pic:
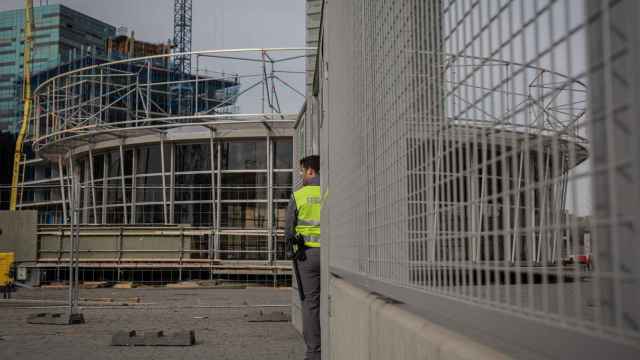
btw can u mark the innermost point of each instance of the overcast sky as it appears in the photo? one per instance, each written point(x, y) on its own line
point(216, 23)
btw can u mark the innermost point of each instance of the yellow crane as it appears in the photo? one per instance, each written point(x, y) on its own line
point(26, 98)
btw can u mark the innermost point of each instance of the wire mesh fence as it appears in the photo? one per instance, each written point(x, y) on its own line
point(481, 155)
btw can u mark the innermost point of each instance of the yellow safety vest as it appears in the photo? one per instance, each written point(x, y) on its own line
point(309, 202)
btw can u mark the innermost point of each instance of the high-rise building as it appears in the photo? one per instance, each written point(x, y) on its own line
point(60, 34)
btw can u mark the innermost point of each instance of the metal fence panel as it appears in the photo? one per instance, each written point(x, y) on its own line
point(480, 158)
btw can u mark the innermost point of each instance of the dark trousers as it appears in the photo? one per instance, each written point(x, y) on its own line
point(310, 278)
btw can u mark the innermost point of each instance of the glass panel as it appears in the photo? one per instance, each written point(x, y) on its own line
point(193, 187)
point(244, 155)
point(99, 192)
point(149, 214)
point(29, 173)
point(98, 166)
point(199, 243)
point(113, 163)
point(248, 186)
point(280, 214)
point(281, 247)
point(115, 215)
point(243, 215)
point(128, 162)
point(149, 188)
point(243, 247)
point(198, 214)
point(148, 161)
point(114, 191)
point(193, 157)
point(282, 185)
point(283, 154)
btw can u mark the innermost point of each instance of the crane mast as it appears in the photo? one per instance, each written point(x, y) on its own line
point(26, 98)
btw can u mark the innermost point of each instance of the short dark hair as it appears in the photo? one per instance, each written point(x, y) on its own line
point(311, 162)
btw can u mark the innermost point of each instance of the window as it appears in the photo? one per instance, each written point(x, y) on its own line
point(148, 161)
point(198, 214)
point(246, 186)
point(113, 163)
point(283, 154)
point(282, 185)
point(193, 157)
point(243, 215)
point(244, 247)
point(149, 214)
point(149, 188)
point(193, 187)
point(244, 155)
point(98, 166)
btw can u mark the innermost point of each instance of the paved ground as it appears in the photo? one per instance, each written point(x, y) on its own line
point(221, 333)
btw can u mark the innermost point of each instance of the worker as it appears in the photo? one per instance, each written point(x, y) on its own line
point(302, 232)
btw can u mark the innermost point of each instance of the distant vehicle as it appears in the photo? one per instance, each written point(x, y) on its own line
point(583, 259)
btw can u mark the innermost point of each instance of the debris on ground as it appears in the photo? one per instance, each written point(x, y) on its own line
point(95, 284)
point(184, 285)
point(124, 285)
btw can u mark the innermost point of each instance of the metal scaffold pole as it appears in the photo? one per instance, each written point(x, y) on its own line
point(74, 316)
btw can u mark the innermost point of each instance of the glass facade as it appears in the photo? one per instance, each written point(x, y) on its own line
point(222, 185)
point(60, 35)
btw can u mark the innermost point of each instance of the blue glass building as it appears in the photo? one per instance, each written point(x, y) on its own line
point(60, 34)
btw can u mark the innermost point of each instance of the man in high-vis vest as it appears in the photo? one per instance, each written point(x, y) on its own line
point(302, 230)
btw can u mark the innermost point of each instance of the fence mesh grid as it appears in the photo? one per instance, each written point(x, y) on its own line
point(484, 151)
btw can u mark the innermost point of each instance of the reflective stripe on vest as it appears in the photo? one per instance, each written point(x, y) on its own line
point(312, 241)
point(308, 202)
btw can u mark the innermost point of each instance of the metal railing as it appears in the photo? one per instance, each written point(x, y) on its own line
point(481, 166)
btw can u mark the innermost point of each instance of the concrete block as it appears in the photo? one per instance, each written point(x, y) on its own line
point(366, 326)
point(55, 319)
point(153, 338)
point(264, 316)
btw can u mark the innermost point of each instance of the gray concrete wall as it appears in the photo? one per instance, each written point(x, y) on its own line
point(18, 233)
point(365, 326)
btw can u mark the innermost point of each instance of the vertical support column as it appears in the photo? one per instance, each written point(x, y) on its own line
point(69, 183)
point(197, 93)
point(123, 184)
point(271, 232)
point(100, 108)
point(93, 186)
point(148, 102)
point(120, 250)
point(214, 212)
point(85, 194)
point(62, 190)
point(134, 173)
point(216, 239)
point(164, 181)
point(105, 189)
point(73, 224)
point(172, 183)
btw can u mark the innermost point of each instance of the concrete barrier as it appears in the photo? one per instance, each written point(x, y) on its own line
point(366, 326)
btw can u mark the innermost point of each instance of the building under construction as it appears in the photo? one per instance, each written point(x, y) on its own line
point(164, 167)
point(164, 192)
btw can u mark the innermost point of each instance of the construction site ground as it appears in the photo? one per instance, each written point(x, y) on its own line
point(216, 314)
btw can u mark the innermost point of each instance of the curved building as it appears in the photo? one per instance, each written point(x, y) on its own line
point(171, 176)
